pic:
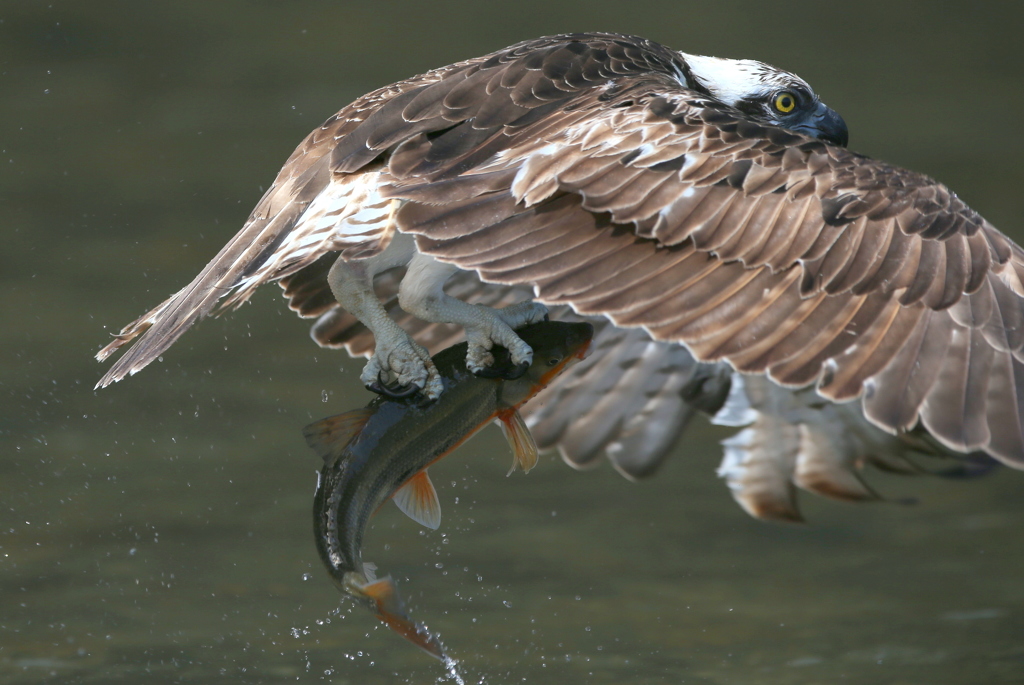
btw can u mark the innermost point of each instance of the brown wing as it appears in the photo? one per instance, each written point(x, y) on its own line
point(632, 397)
point(753, 245)
point(465, 110)
point(629, 400)
point(255, 254)
point(581, 166)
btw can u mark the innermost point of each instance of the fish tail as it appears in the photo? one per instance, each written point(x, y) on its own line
point(387, 604)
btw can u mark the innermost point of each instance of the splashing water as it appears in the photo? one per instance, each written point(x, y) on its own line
point(452, 671)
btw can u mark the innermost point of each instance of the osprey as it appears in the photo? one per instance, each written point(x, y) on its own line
point(704, 210)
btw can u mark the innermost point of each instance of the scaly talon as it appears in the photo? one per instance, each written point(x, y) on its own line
point(498, 330)
point(422, 295)
point(522, 314)
point(401, 368)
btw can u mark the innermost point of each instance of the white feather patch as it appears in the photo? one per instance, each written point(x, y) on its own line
point(348, 213)
point(732, 80)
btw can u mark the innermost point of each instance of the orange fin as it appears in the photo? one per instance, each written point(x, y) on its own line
point(391, 612)
point(520, 439)
point(329, 437)
point(418, 500)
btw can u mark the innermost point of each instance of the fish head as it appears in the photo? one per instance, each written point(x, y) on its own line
point(556, 345)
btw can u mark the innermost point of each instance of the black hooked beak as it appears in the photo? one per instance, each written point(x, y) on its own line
point(825, 124)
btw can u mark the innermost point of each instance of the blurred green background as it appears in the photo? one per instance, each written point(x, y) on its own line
point(159, 531)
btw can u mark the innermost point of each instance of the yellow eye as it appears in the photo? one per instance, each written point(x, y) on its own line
point(785, 102)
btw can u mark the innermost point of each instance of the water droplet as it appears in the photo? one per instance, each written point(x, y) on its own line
point(451, 666)
point(305, 576)
point(323, 396)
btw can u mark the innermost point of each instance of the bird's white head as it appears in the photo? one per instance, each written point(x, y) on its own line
point(766, 94)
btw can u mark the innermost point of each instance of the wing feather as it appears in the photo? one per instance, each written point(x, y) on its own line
point(894, 396)
point(808, 336)
point(582, 167)
point(796, 258)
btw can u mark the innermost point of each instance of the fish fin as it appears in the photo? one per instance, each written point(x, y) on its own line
point(329, 437)
point(391, 611)
point(520, 439)
point(418, 500)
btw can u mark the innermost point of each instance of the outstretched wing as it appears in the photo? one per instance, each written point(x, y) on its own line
point(632, 397)
point(583, 167)
point(280, 237)
point(310, 210)
point(326, 197)
point(777, 253)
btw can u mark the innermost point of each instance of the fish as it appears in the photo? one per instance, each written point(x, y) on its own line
point(382, 452)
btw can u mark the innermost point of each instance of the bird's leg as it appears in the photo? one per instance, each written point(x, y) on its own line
point(422, 295)
point(395, 354)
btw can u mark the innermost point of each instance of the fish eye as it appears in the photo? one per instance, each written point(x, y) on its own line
point(554, 361)
point(785, 102)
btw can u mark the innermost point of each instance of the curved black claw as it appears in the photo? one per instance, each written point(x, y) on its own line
point(517, 371)
point(505, 372)
point(489, 372)
point(393, 391)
